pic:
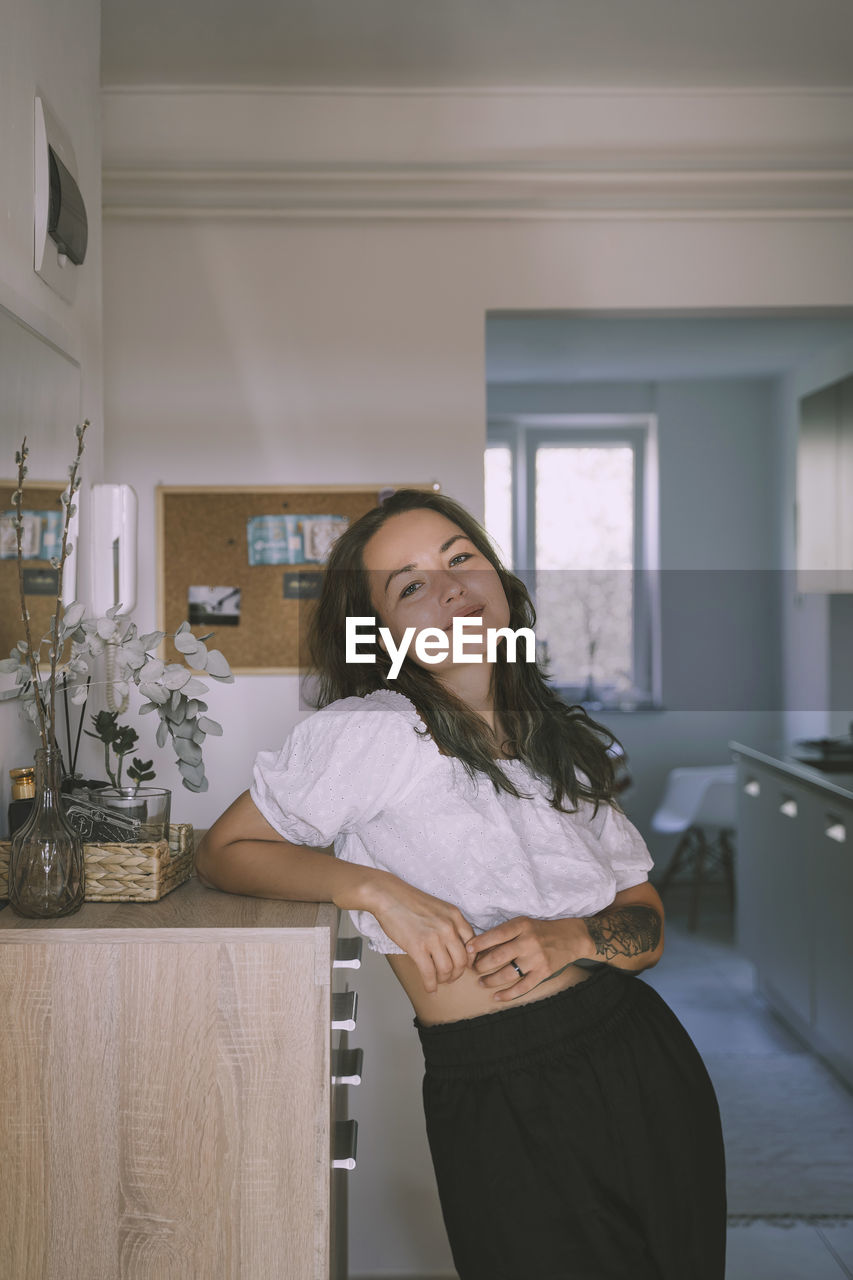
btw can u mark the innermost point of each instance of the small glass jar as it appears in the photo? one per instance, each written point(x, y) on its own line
point(23, 796)
point(46, 871)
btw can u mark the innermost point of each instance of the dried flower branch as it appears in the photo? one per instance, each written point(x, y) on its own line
point(70, 511)
point(44, 701)
point(32, 657)
point(172, 689)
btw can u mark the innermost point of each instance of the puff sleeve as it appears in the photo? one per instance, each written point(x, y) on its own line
point(339, 768)
point(621, 847)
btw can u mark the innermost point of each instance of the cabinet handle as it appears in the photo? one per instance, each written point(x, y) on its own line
point(348, 953)
point(752, 788)
point(789, 808)
point(344, 1144)
point(347, 1066)
point(344, 1010)
point(836, 831)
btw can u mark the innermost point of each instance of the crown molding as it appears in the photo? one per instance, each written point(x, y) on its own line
point(521, 154)
point(435, 191)
point(497, 92)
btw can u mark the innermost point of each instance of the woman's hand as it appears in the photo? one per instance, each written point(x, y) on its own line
point(431, 931)
point(540, 948)
point(628, 935)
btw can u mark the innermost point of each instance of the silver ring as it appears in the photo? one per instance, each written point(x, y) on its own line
point(517, 970)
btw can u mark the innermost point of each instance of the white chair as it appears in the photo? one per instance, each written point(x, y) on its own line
point(699, 805)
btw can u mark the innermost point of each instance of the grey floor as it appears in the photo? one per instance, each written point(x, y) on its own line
point(742, 1021)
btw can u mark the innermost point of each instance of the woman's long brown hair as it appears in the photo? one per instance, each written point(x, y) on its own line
point(554, 739)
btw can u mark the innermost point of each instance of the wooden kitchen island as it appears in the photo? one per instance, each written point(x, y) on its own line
point(167, 1104)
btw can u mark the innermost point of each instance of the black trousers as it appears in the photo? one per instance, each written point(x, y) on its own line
point(576, 1138)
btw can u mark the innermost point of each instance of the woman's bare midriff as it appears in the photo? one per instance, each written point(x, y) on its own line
point(466, 998)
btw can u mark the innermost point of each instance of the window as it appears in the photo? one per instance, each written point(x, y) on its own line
point(571, 506)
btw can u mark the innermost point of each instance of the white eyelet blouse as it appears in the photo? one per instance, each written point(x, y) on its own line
point(356, 774)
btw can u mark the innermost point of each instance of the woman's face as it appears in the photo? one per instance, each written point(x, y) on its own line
point(423, 570)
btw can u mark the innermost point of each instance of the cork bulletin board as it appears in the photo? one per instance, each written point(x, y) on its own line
point(247, 564)
point(43, 513)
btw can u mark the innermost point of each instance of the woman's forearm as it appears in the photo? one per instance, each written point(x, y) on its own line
point(279, 869)
point(628, 936)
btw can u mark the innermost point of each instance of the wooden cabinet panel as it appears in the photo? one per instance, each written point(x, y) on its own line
point(59, 1064)
point(167, 1104)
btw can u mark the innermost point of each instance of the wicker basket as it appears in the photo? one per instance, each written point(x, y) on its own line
point(129, 872)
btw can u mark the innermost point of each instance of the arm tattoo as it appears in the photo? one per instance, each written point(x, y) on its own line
point(625, 931)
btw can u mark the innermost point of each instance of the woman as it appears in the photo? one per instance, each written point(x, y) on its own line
point(572, 1125)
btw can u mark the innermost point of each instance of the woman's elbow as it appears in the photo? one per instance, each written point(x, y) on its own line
point(213, 861)
point(214, 850)
point(202, 861)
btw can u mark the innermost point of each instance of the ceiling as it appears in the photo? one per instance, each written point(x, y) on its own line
point(629, 44)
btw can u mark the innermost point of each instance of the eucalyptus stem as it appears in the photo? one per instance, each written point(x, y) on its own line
point(67, 719)
point(73, 486)
point(79, 731)
point(109, 771)
point(17, 499)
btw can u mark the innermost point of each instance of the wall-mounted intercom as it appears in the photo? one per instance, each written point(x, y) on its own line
point(113, 511)
point(61, 229)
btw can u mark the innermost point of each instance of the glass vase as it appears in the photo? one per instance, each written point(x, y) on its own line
point(46, 872)
point(139, 814)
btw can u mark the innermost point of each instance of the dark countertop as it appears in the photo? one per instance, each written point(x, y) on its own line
point(838, 784)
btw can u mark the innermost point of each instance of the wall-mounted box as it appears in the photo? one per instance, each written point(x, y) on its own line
point(60, 225)
point(825, 490)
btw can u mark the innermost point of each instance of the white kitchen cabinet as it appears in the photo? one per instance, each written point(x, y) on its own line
point(824, 521)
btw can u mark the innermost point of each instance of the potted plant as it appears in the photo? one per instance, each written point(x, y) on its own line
point(46, 871)
point(78, 648)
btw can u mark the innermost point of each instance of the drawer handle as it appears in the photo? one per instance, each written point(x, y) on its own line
point(348, 953)
point(752, 788)
point(789, 808)
point(837, 831)
point(345, 1143)
point(344, 1010)
point(347, 1066)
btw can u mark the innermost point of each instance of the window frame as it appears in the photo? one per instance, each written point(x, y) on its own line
point(523, 434)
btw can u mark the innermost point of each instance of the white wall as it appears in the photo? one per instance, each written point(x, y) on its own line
point(246, 341)
point(52, 50)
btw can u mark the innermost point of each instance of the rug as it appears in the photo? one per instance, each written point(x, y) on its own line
point(788, 1129)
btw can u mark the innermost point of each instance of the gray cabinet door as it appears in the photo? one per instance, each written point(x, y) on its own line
point(774, 886)
point(830, 827)
point(752, 923)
